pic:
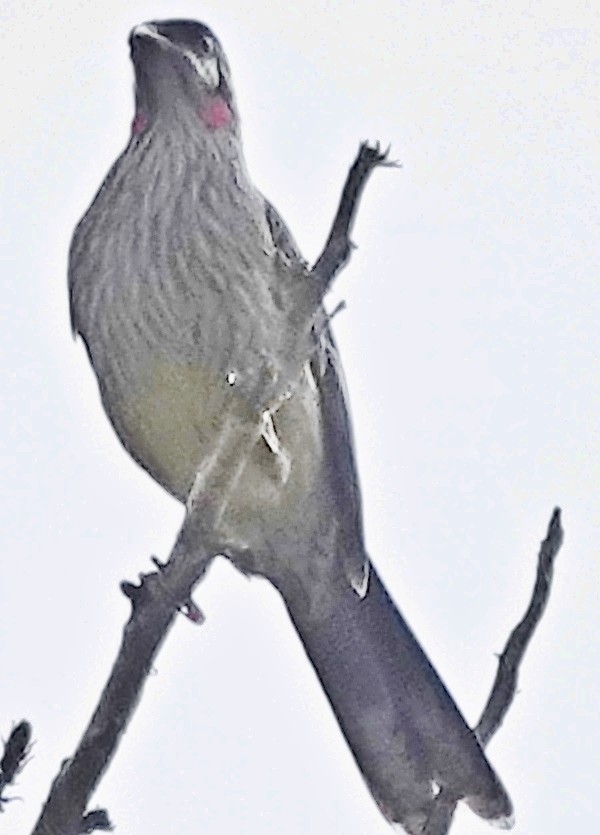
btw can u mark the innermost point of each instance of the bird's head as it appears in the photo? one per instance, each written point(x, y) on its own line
point(181, 72)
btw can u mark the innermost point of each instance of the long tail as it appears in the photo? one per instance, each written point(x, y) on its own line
point(399, 720)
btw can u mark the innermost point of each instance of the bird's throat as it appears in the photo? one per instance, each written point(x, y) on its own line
point(215, 113)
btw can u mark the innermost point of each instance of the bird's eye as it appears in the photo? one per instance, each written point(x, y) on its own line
point(207, 44)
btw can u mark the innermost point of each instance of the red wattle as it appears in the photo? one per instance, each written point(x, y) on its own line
point(216, 113)
point(139, 123)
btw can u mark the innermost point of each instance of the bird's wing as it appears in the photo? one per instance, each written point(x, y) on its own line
point(338, 445)
point(400, 722)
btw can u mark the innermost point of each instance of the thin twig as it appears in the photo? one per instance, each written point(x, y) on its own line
point(339, 246)
point(505, 684)
point(16, 750)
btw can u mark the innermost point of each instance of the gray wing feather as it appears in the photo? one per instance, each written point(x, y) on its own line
point(337, 430)
point(282, 237)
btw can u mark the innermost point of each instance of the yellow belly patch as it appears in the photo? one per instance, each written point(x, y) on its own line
point(172, 420)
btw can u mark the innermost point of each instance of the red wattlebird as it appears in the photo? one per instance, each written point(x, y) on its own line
point(225, 385)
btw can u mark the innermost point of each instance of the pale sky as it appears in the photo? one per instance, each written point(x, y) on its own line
point(472, 350)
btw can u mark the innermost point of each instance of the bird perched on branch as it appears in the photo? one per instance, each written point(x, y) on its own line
point(216, 366)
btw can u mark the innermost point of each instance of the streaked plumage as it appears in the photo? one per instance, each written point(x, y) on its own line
point(182, 282)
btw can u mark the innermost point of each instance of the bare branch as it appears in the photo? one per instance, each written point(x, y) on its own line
point(155, 603)
point(505, 683)
point(339, 246)
point(16, 750)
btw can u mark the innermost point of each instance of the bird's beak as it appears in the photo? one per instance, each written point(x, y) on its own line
point(148, 30)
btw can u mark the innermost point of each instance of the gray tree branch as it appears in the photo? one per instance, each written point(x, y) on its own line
point(14, 757)
point(155, 604)
point(505, 684)
point(338, 247)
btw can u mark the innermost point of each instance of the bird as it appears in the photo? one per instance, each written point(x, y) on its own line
point(218, 370)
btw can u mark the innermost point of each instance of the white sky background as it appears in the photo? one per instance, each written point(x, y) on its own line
point(471, 344)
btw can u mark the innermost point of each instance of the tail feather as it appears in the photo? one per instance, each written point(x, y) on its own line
point(404, 729)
